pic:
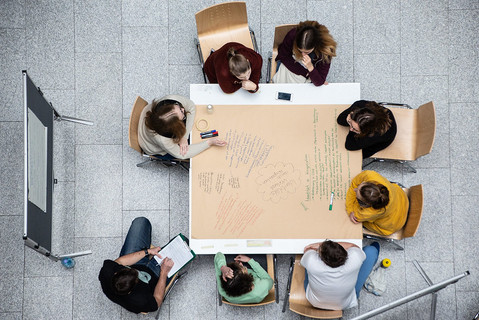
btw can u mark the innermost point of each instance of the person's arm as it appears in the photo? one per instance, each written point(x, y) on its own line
point(285, 55)
point(319, 73)
point(168, 146)
point(256, 63)
point(347, 245)
point(134, 257)
point(312, 246)
point(160, 287)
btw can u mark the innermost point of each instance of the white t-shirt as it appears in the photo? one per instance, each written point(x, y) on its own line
point(332, 288)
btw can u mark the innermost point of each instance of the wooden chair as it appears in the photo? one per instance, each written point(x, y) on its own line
point(138, 107)
point(296, 295)
point(279, 34)
point(416, 198)
point(220, 24)
point(416, 130)
point(273, 294)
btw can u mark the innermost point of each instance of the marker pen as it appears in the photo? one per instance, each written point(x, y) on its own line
point(209, 135)
point(331, 201)
point(207, 132)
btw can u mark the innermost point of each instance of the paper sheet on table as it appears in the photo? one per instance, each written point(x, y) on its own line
point(178, 251)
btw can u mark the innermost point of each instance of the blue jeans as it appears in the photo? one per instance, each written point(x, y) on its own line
point(139, 238)
point(372, 253)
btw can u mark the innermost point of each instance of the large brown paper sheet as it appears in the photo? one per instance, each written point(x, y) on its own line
point(275, 177)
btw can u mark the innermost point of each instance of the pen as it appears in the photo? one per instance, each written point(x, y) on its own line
point(209, 135)
point(207, 132)
point(331, 201)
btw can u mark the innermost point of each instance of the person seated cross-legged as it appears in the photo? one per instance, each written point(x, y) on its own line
point(239, 284)
point(134, 280)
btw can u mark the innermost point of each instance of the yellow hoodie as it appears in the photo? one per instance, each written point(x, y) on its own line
point(386, 220)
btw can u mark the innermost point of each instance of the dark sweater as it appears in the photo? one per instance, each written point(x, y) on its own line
point(217, 69)
point(285, 55)
point(141, 299)
point(369, 144)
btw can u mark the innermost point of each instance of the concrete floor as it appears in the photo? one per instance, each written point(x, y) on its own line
point(92, 58)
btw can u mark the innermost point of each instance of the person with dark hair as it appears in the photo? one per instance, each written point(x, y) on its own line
point(238, 284)
point(134, 280)
point(380, 205)
point(371, 127)
point(305, 54)
point(336, 272)
point(234, 66)
point(165, 125)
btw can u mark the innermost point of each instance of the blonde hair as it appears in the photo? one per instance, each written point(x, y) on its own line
point(312, 35)
point(237, 62)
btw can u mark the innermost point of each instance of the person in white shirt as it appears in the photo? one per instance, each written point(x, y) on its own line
point(336, 272)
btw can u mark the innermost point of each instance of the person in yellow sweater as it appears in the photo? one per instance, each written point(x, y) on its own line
point(380, 205)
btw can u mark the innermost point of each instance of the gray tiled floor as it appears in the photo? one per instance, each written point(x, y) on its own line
point(91, 59)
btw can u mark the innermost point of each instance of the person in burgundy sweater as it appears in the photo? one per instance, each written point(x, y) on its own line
point(234, 66)
point(307, 51)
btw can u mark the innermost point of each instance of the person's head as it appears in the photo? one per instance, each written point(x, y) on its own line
point(332, 253)
point(312, 36)
point(124, 280)
point(372, 195)
point(166, 118)
point(369, 120)
point(241, 283)
point(239, 66)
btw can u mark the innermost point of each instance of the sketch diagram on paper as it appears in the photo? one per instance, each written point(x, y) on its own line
point(277, 182)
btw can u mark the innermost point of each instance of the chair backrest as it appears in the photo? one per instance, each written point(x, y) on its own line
point(416, 198)
point(138, 107)
point(222, 23)
point(270, 298)
point(426, 128)
point(416, 129)
point(297, 297)
point(279, 34)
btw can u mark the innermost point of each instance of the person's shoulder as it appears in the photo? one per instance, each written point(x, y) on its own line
point(355, 254)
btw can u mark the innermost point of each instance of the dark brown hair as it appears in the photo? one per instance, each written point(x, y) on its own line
point(332, 253)
point(312, 35)
point(241, 282)
point(237, 62)
point(372, 119)
point(124, 280)
point(375, 195)
point(163, 121)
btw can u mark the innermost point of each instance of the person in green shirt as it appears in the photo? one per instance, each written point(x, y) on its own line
point(238, 284)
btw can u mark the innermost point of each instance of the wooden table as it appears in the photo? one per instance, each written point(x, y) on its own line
point(269, 190)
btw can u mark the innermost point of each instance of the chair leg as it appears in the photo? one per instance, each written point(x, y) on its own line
point(405, 163)
point(394, 243)
point(276, 292)
point(288, 287)
point(268, 68)
point(141, 164)
point(220, 301)
point(371, 162)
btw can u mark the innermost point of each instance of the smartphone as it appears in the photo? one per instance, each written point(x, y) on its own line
point(284, 96)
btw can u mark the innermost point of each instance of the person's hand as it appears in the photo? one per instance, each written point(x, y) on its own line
point(242, 258)
point(353, 218)
point(226, 273)
point(307, 62)
point(313, 246)
point(183, 146)
point(325, 83)
point(166, 265)
point(217, 142)
point(248, 85)
point(154, 251)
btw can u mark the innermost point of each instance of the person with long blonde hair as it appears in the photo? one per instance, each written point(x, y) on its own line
point(305, 54)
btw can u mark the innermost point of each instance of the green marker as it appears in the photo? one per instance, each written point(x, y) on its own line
point(331, 201)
